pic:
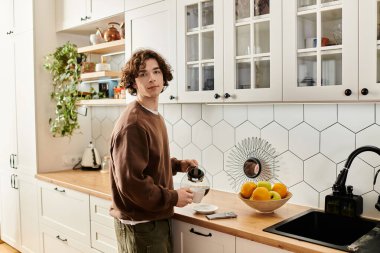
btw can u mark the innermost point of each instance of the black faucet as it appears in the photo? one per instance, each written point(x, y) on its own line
point(343, 201)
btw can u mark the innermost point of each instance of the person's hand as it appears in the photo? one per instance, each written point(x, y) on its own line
point(185, 197)
point(187, 164)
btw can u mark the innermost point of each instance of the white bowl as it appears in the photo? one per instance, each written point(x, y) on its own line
point(266, 206)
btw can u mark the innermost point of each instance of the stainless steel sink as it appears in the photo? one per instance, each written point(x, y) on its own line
point(325, 229)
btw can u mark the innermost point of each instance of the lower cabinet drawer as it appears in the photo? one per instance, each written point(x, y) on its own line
point(247, 246)
point(65, 210)
point(100, 211)
point(53, 241)
point(103, 238)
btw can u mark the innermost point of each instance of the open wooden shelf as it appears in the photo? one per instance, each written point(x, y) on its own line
point(100, 75)
point(102, 102)
point(104, 48)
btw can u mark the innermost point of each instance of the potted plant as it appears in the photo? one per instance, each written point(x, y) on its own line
point(65, 66)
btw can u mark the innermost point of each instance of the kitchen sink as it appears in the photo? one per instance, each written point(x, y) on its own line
point(325, 229)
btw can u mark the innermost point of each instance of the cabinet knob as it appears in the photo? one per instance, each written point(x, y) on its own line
point(364, 91)
point(347, 92)
point(83, 19)
point(216, 96)
point(226, 95)
point(87, 17)
point(171, 97)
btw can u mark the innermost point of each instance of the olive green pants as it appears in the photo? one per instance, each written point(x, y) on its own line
point(149, 237)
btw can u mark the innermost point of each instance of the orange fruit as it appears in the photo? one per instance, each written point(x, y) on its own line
point(247, 188)
point(260, 193)
point(281, 189)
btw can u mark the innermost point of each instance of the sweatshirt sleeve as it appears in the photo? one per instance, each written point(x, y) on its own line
point(130, 152)
point(176, 165)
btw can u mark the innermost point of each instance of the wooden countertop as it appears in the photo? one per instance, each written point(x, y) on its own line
point(249, 224)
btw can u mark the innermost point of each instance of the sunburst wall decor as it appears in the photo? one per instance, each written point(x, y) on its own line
point(250, 150)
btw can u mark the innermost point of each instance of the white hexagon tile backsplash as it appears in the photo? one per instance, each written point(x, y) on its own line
point(312, 142)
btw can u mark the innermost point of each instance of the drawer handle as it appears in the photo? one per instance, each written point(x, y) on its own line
point(192, 230)
point(58, 190)
point(59, 238)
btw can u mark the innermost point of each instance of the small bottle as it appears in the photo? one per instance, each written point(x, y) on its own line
point(106, 164)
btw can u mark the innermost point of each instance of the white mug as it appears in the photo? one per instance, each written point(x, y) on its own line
point(198, 194)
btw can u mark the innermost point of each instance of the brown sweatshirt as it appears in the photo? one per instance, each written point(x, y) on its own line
point(141, 170)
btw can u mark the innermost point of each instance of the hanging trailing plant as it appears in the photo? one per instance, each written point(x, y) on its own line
point(65, 66)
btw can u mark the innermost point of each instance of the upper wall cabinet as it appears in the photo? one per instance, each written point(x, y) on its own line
point(200, 50)
point(73, 13)
point(320, 44)
point(252, 50)
point(134, 4)
point(14, 17)
point(369, 50)
point(153, 26)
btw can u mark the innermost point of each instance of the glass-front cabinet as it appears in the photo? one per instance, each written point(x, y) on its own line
point(252, 50)
point(200, 50)
point(369, 50)
point(320, 49)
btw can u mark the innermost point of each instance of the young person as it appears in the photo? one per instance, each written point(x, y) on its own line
point(141, 170)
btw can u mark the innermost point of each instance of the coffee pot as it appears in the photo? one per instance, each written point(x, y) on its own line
point(198, 183)
point(111, 33)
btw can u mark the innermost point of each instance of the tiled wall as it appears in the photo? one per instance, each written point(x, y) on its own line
point(312, 142)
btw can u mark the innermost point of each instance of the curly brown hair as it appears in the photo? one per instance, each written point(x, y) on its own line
point(137, 60)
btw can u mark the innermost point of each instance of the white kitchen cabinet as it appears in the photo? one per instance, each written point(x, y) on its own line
point(200, 51)
point(154, 26)
point(252, 51)
point(320, 45)
point(188, 238)
point(134, 4)
point(103, 236)
point(53, 241)
point(15, 16)
point(19, 220)
point(73, 13)
point(369, 50)
point(247, 246)
point(65, 210)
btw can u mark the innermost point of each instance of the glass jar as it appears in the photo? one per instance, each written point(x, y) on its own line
point(198, 183)
point(106, 164)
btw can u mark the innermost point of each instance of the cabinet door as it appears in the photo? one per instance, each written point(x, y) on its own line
point(369, 48)
point(247, 246)
point(10, 209)
point(58, 242)
point(103, 9)
point(189, 238)
point(134, 4)
point(28, 214)
point(7, 104)
point(24, 79)
point(23, 15)
point(154, 27)
point(200, 50)
point(320, 50)
point(70, 13)
point(66, 211)
point(6, 17)
point(253, 50)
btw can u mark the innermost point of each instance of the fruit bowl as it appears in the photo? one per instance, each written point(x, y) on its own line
point(266, 206)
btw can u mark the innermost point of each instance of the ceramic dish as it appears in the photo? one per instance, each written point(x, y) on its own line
point(205, 208)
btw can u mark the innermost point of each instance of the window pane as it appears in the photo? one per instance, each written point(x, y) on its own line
point(243, 75)
point(192, 47)
point(307, 71)
point(261, 36)
point(207, 13)
point(305, 3)
point(307, 31)
point(262, 74)
point(261, 7)
point(192, 16)
point(192, 78)
point(208, 77)
point(242, 9)
point(331, 69)
point(208, 45)
point(331, 28)
point(243, 40)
